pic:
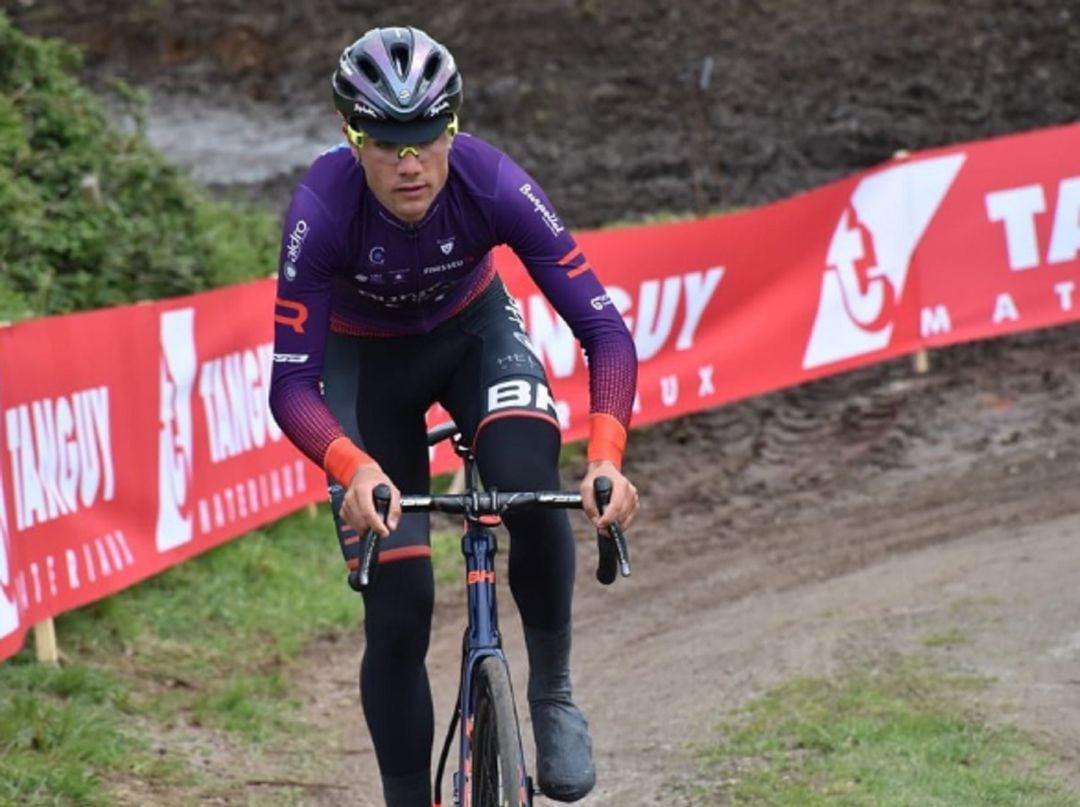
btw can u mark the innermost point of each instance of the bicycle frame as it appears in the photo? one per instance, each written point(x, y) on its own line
point(481, 638)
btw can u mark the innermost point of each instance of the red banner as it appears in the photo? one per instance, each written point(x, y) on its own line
point(135, 437)
point(945, 246)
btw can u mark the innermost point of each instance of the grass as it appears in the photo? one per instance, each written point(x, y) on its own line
point(60, 727)
point(209, 644)
point(909, 738)
point(218, 629)
point(951, 637)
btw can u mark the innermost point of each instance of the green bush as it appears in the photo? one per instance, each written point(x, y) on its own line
point(92, 215)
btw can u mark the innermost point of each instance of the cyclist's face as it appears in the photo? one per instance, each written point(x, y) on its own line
point(406, 178)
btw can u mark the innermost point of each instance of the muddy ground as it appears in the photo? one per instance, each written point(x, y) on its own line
point(843, 522)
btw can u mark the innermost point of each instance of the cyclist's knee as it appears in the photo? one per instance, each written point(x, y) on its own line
point(398, 608)
point(519, 453)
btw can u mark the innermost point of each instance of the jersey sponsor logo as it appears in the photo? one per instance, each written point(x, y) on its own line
point(513, 309)
point(521, 393)
point(442, 267)
point(434, 293)
point(290, 313)
point(600, 301)
point(289, 270)
point(446, 245)
point(517, 361)
point(523, 337)
point(296, 240)
point(377, 255)
point(9, 610)
point(179, 363)
point(869, 257)
point(290, 358)
point(546, 214)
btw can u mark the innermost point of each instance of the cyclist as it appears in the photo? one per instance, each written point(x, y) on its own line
point(388, 299)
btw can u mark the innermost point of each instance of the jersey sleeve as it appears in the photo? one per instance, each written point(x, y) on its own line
point(309, 252)
point(527, 222)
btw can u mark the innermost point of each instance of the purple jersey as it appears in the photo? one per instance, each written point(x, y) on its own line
point(348, 265)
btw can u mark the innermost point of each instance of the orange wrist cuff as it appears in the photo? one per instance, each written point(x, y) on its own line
point(343, 459)
point(607, 439)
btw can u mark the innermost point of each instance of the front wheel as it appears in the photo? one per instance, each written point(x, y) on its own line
point(498, 770)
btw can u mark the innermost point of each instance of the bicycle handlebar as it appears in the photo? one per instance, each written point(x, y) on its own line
point(491, 503)
point(614, 553)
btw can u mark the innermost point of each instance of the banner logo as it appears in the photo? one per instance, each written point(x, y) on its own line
point(870, 255)
point(179, 363)
point(9, 611)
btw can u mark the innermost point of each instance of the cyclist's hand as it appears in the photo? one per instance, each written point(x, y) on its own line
point(624, 496)
point(358, 508)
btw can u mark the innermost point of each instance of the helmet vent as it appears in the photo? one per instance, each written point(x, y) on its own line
point(399, 53)
point(432, 67)
point(369, 70)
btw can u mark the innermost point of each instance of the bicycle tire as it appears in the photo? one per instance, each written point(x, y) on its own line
point(498, 776)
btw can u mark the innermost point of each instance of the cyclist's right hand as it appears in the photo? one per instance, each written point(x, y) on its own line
point(358, 508)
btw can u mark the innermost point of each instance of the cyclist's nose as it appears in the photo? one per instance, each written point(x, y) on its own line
point(409, 160)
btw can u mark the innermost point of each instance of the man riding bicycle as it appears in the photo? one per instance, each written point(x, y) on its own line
point(388, 302)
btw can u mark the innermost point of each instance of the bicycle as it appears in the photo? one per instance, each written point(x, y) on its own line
point(491, 768)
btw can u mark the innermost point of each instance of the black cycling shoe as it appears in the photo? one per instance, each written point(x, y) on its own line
point(564, 763)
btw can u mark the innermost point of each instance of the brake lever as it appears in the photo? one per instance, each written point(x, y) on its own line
point(614, 550)
point(364, 575)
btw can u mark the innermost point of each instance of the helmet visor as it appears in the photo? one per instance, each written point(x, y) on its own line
point(403, 132)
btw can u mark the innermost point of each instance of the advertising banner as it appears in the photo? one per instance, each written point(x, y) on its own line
point(133, 438)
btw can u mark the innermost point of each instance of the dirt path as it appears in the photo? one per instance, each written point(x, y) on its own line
point(841, 523)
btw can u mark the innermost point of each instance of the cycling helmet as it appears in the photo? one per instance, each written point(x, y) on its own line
point(398, 85)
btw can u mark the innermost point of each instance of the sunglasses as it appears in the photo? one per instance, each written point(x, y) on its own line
point(392, 152)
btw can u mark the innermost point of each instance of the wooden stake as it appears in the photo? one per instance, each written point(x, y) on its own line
point(921, 362)
point(45, 642)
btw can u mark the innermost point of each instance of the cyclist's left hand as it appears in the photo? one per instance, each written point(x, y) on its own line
point(624, 496)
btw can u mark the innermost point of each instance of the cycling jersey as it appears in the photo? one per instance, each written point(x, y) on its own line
point(347, 265)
